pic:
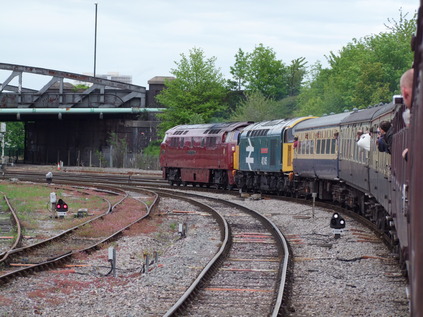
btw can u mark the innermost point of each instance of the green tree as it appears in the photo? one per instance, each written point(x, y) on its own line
point(267, 83)
point(239, 71)
point(256, 107)
point(15, 137)
point(365, 72)
point(120, 148)
point(295, 75)
point(266, 73)
point(285, 107)
point(195, 95)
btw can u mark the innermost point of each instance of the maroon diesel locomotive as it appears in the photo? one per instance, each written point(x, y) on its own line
point(201, 154)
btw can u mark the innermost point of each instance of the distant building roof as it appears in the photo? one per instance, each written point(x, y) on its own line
point(159, 80)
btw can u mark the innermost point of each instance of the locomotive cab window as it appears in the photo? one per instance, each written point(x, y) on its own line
point(289, 136)
point(210, 142)
point(174, 142)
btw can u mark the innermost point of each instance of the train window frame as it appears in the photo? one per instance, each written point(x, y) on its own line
point(224, 137)
point(327, 149)
point(174, 141)
point(232, 136)
point(211, 142)
point(333, 146)
point(289, 136)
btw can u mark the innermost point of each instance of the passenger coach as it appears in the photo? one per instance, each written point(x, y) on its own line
point(354, 160)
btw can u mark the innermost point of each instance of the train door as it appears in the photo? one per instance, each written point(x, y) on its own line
point(287, 155)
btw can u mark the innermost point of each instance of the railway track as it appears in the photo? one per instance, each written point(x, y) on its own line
point(56, 250)
point(247, 276)
point(10, 225)
point(207, 293)
point(62, 176)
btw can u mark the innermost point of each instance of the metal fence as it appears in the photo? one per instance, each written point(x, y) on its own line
point(107, 157)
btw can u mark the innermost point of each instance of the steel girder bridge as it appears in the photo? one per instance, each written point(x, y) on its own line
point(102, 96)
point(68, 123)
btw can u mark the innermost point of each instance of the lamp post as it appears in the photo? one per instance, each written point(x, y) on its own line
point(95, 37)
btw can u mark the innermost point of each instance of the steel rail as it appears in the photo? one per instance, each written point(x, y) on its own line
point(213, 263)
point(67, 256)
point(276, 233)
point(114, 235)
point(18, 238)
point(16, 251)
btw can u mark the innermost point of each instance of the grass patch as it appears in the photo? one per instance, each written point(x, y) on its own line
point(32, 203)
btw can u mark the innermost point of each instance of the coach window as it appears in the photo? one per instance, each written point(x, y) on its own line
point(350, 135)
point(322, 151)
point(311, 146)
point(333, 147)
point(327, 151)
point(318, 146)
point(345, 149)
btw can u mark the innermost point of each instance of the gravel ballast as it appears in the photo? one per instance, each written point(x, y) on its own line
point(355, 275)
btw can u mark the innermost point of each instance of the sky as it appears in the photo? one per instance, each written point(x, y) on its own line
point(144, 39)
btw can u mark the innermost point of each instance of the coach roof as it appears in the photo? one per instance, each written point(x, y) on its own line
point(325, 121)
point(362, 115)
